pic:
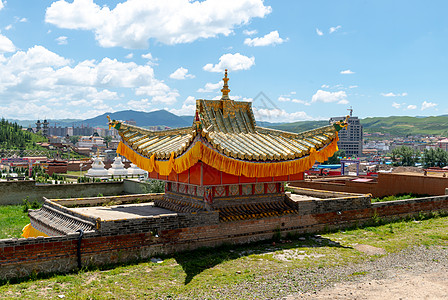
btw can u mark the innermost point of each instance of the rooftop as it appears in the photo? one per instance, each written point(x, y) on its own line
point(226, 131)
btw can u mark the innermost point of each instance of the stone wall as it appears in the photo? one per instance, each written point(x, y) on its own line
point(22, 257)
point(13, 192)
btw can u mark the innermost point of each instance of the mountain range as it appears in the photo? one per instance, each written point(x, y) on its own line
point(394, 125)
point(143, 119)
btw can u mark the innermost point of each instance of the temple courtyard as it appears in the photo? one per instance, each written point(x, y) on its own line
point(140, 210)
point(118, 212)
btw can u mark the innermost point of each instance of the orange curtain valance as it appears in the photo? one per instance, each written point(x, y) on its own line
point(201, 152)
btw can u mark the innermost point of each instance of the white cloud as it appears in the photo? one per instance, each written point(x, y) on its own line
point(412, 106)
point(6, 44)
point(271, 38)
point(289, 99)
point(352, 86)
point(327, 97)
point(396, 105)
point(62, 40)
point(129, 56)
point(250, 32)
point(426, 105)
point(347, 72)
point(159, 92)
point(139, 105)
point(1, 5)
point(133, 22)
point(151, 60)
point(319, 32)
point(334, 29)
point(8, 27)
point(188, 107)
point(23, 20)
point(210, 87)
point(325, 86)
point(233, 62)
point(181, 74)
point(394, 95)
point(279, 115)
point(148, 56)
point(49, 80)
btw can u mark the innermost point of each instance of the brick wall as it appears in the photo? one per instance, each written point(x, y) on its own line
point(21, 257)
point(387, 184)
point(159, 223)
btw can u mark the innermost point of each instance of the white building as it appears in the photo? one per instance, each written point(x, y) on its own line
point(90, 142)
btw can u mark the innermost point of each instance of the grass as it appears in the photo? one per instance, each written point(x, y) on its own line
point(196, 274)
point(12, 221)
point(77, 173)
point(398, 197)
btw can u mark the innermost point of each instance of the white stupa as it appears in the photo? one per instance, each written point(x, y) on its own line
point(133, 170)
point(97, 169)
point(117, 168)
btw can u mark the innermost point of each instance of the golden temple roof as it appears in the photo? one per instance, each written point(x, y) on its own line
point(229, 128)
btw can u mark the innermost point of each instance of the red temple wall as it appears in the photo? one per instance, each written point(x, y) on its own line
point(203, 174)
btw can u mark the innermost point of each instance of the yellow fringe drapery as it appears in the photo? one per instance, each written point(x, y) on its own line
point(30, 231)
point(200, 152)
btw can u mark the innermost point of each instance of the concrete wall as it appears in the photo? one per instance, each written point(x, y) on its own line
point(387, 184)
point(22, 257)
point(13, 192)
point(134, 186)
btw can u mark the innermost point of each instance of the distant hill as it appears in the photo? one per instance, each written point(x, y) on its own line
point(57, 122)
point(13, 137)
point(394, 125)
point(188, 119)
point(154, 118)
point(299, 126)
point(403, 126)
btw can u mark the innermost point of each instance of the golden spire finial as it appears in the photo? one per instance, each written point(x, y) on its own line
point(225, 89)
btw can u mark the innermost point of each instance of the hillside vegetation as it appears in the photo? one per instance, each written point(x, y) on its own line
point(403, 126)
point(13, 137)
point(395, 126)
point(300, 126)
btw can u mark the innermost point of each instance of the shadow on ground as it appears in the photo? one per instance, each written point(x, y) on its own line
point(196, 261)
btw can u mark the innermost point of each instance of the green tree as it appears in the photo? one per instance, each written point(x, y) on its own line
point(155, 186)
point(404, 155)
point(74, 139)
point(435, 157)
point(336, 158)
point(13, 137)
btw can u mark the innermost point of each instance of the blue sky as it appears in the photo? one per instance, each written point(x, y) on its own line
point(296, 60)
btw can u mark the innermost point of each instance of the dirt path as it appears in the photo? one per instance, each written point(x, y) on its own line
point(413, 274)
point(401, 285)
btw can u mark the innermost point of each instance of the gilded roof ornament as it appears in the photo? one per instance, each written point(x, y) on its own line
point(225, 89)
point(341, 124)
point(113, 123)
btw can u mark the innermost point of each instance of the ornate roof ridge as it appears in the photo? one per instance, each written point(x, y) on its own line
point(311, 132)
point(174, 131)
